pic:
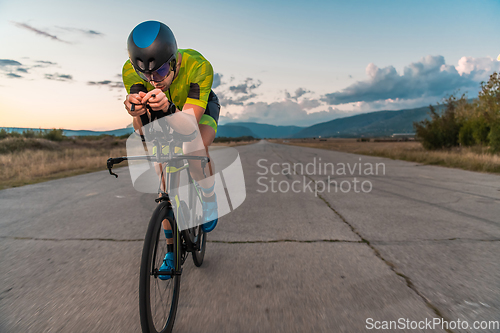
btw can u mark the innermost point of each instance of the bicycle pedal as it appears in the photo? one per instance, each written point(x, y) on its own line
point(164, 198)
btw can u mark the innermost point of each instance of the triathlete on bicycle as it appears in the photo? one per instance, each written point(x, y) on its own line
point(182, 77)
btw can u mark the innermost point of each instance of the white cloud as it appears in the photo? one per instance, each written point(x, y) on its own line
point(478, 68)
point(287, 112)
point(217, 80)
point(429, 77)
point(308, 104)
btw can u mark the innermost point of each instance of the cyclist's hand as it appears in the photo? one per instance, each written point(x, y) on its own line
point(157, 103)
point(137, 100)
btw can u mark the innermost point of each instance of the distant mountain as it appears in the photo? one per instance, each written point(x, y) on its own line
point(234, 131)
point(117, 132)
point(373, 124)
point(267, 131)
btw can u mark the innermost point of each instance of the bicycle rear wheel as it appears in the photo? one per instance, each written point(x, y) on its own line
point(158, 299)
point(200, 238)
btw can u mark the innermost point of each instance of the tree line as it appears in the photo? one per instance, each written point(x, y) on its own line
point(52, 134)
point(463, 122)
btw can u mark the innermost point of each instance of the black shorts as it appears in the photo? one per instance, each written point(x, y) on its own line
point(211, 115)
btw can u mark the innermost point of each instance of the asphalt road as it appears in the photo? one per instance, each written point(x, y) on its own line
point(422, 243)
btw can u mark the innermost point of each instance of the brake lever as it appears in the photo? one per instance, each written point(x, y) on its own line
point(112, 173)
point(109, 164)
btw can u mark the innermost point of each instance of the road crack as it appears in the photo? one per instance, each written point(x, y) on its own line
point(72, 239)
point(436, 240)
point(286, 241)
point(393, 267)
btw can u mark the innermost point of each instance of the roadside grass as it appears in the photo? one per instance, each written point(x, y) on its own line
point(32, 160)
point(26, 161)
point(468, 158)
point(233, 143)
point(34, 166)
point(18, 144)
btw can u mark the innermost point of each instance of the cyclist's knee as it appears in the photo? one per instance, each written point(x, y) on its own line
point(207, 134)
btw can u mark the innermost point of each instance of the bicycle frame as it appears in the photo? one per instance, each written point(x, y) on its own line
point(178, 163)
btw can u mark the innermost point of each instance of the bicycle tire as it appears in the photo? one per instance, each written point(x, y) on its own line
point(196, 234)
point(150, 286)
point(198, 256)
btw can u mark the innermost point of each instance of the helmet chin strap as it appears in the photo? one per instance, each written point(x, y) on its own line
point(175, 68)
point(173, 78)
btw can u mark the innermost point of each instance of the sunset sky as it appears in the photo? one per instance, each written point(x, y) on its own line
point(276, 62)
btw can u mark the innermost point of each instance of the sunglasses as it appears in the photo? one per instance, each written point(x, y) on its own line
point(157, 76)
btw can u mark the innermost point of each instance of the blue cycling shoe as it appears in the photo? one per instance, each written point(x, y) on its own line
point(210, 213)
point(167, 266)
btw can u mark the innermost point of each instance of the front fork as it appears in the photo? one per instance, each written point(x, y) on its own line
point(179, 252)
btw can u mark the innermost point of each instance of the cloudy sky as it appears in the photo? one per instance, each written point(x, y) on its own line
point(276, 62)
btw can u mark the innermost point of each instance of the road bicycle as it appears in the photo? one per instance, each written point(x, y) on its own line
point(158, 298)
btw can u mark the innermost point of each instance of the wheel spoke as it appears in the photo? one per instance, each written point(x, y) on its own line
point(160, 302)
point(158, 297)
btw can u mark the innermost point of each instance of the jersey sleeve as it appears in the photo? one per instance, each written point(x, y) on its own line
point(200, 84)
point(130, 77)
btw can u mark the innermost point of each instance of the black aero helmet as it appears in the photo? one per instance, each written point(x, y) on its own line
point(152, 50)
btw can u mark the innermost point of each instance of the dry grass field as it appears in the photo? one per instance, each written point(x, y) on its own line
point(473, 159)
point(27, 161)
point(233, 143)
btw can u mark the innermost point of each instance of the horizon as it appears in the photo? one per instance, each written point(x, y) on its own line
point(228, 123)
point(268, 69)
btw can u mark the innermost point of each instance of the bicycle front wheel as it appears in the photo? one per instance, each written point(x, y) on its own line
point(196, 235)
point(158, 298)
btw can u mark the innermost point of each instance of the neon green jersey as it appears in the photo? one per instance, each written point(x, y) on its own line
point(191, 86)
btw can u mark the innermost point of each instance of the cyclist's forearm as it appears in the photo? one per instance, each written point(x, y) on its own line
point(137, 123)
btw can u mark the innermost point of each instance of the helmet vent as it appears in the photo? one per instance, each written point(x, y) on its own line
point(151, 64)
point(140, 64)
